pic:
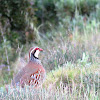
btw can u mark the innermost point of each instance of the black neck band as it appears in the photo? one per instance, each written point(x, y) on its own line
point(35, 57)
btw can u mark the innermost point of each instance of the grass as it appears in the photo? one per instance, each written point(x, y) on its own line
point(78, 79)
point(70, 82)
point(72, 61)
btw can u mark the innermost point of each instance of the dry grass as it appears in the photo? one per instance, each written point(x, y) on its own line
point(72, 62)
point(68, 82)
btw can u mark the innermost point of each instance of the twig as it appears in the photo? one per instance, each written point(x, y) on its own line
point(4, 40)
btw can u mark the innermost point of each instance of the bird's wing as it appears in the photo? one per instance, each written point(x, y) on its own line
point(25, 71)
point(28, 76)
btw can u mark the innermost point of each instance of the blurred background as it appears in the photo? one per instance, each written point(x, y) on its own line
point(67, 30)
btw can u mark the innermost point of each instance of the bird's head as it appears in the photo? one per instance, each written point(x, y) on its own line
point(34, 52)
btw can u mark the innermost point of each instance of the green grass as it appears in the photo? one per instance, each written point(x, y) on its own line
point(71, 58)
point(66, 82)
point(72, 63)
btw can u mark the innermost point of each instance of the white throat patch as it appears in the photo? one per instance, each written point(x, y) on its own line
point(36, 53)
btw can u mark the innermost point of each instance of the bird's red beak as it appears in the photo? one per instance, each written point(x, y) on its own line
point(40, 49)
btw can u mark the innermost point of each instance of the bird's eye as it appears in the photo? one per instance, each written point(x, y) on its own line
point(36, 48)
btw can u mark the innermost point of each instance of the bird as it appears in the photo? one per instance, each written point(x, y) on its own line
point(33, 74)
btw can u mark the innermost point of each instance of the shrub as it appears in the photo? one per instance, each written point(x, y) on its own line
point(15, 12)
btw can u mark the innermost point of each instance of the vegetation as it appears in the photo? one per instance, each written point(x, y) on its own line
point(68, 31)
